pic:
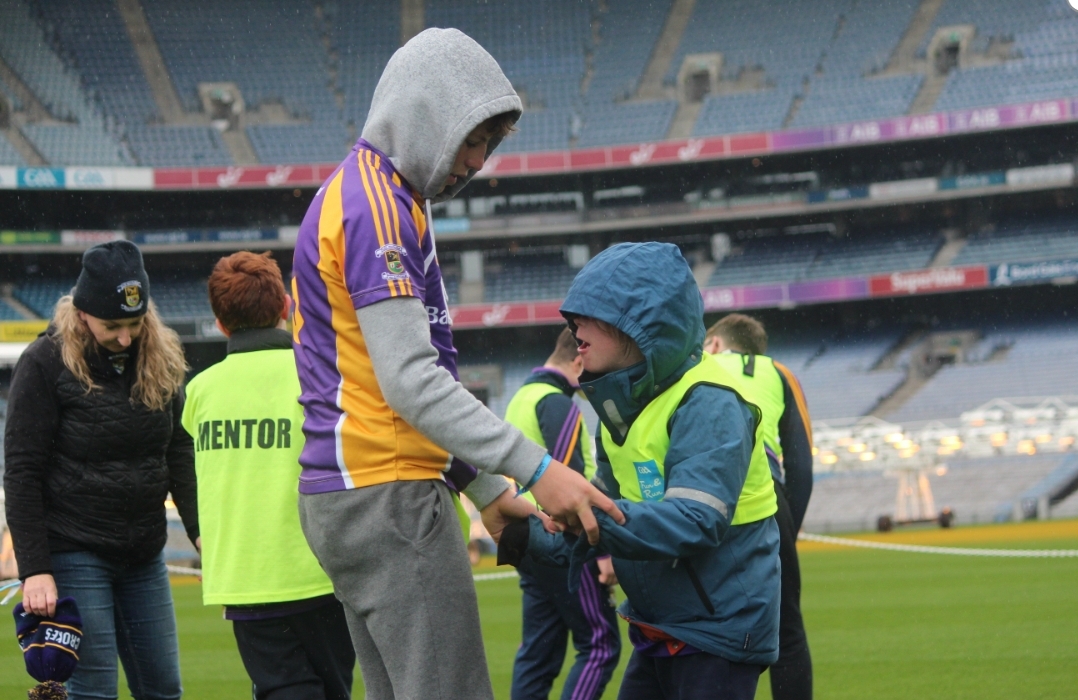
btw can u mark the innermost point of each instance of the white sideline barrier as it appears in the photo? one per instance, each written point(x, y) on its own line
point(925, 549)
point(187, 571)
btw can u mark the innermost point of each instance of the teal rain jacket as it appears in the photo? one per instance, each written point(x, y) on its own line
point(648, 291)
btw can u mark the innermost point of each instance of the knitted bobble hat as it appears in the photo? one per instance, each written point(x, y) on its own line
point(50, 645)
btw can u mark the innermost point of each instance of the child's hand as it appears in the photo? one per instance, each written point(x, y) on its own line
point(568, 497)
point(607, 577)
point(505, 509)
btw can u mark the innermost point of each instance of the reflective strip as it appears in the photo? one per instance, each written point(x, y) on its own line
point(699, 496)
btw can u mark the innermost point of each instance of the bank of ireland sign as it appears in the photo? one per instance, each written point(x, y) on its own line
point(1007, 274)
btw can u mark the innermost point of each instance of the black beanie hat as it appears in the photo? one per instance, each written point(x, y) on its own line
point(113, 284)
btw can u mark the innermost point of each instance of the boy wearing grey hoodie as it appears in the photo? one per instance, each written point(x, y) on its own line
point(388, 426)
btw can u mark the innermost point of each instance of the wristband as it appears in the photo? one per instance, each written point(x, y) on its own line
point(537, 475)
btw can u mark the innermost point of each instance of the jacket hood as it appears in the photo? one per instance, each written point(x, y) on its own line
point(433, 92)
point(647, 291)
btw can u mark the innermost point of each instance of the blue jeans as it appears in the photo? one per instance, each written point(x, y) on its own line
point(127, 612)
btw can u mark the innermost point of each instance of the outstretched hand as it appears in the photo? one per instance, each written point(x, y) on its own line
point(568, 498)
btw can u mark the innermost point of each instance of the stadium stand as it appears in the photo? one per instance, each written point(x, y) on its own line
point(772, 35)
point(92, 34)
point(748, 111)
point(204, 42)
point(363, 36)
point(532, 274)
point(768, 259)
point(1040, 362)
point(627, 34)
point(175, 299)
point(7, 313)
point(818, 256)
point(824, 367)
point(844, 89)
point(8, 154)
point(579, 66)
point(884, 251)
point(541, 47)
point(975, 489)
point(79, 134)
point(1042, 60)
point(178, 146)
point(631, 122)
point(1020, 241)
point(41, 295)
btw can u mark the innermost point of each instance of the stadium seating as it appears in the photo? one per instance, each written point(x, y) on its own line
point(532, 275)
point(214, 42)
point(183, 298)
point(1044, 56)
point(175, 299)
point(630, 122)
point(844, 89)
point(40, 296)
point(541, 47)
point(178, 146)
point(870, 254)
point(7, 313)
point(773, 35)
point(86, 137)
point(364, 36)
point(746, 111)
point(837, 375)
point(324, 142)
point(775, 259)
point(8, 154)
point(579, 66)
point(93, 35)
point(797, 258)
point(1021, 240)
point(975, 489)
point(1040, 362)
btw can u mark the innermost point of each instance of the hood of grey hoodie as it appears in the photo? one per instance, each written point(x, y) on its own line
point(433, 92)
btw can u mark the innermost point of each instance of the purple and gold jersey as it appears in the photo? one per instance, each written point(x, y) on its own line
point(365, 239)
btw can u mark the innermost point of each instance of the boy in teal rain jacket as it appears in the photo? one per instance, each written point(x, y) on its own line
point(697, 557)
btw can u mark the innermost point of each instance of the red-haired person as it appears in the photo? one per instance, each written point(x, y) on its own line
point(245, 418)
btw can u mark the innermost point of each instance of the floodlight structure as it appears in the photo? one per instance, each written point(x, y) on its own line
point(914, 502)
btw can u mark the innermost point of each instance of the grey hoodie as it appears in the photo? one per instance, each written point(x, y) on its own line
point(433, 92)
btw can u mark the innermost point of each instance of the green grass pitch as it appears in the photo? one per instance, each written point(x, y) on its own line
point(881, 624)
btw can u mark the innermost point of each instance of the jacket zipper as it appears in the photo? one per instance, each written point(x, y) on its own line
point(691, 571)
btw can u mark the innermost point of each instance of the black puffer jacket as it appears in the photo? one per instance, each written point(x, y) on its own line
point(91, 471)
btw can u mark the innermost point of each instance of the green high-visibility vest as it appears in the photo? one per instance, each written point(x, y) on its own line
point(639, 463)
point(245, 418)
point(757, 379)
point(521, 412)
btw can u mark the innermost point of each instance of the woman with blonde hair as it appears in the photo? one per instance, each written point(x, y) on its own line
point(93, 447)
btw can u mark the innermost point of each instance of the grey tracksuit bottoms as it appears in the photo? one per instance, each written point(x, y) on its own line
point(398, 563)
